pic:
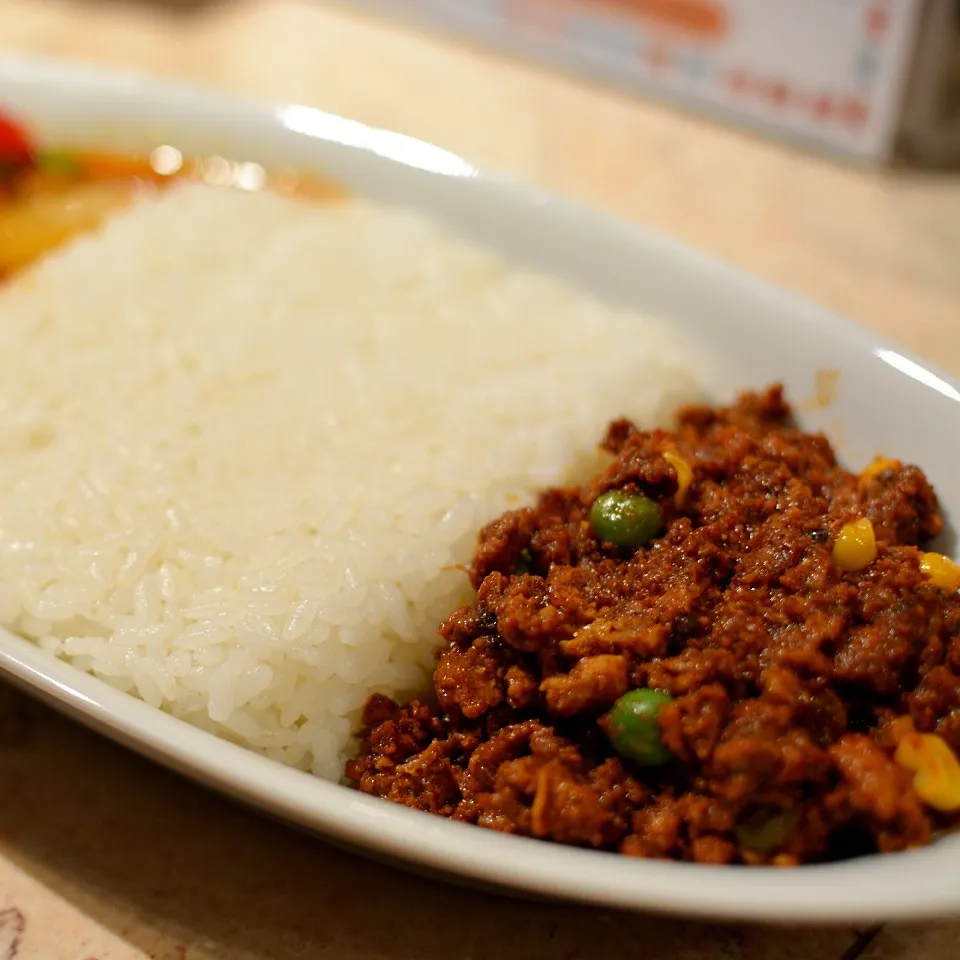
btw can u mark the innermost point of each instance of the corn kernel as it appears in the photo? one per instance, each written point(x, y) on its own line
point(856, 546)
point(942, 571)
point(879, 465)
point(936, 769)
point(683, 470)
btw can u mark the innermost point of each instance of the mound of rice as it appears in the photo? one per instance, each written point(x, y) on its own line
point(245, 443)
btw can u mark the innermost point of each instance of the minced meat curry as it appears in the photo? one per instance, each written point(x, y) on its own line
point(724, 648)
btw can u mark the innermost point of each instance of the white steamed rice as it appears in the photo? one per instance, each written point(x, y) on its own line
point(245, 442)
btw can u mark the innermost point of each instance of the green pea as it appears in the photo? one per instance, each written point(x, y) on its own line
point(624, 519)
point(524, 564)
point(61, 162)
point(765, 829)
point(633, 727)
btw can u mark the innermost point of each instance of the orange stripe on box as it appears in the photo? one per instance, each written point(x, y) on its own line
point(699, 18)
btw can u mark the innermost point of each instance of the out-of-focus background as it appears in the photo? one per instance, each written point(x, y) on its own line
point(814, 143)
point(865, 79)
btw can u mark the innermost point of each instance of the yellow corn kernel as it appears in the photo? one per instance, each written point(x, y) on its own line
point(936, 769)
point(683, 470)
point(856, 546)
point(942, 571)
point(877, 467)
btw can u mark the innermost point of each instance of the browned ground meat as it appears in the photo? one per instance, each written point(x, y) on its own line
point(792, 681)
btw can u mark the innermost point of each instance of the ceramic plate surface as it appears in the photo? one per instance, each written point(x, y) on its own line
point(886, 401)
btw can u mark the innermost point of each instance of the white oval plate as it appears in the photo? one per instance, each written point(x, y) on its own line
point(886, 401)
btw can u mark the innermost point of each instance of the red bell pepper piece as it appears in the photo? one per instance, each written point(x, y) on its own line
point(15, 148)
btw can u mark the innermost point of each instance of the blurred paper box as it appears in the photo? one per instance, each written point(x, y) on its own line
point(851, 76)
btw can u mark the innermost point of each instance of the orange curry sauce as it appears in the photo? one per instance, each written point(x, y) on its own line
point(47, 197)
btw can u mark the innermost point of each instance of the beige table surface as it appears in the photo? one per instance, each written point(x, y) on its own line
point(105, 857)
